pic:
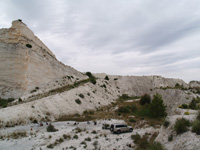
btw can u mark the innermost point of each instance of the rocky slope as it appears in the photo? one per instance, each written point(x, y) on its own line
point(26, 63)
point(103, 93)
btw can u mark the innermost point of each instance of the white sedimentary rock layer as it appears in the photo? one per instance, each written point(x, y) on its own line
point(23, 68)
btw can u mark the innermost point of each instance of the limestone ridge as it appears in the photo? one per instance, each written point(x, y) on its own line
point(23, 68)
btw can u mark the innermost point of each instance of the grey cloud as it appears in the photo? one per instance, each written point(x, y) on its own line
point(115, 28)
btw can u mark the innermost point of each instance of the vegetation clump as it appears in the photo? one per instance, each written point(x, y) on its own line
point(29, 45)
point(106, 78)
point(170, 138)
point(91, 77)
point(181, 125)
point(50, 146)
point(196, 127)
point(166, 123)
point(184, 106)
point(144, 144)
point(124, 109)
point(17, 135)
point(68, 137)
point(88, 139)
point(5, 102)
point(75, 137)
point(81, 95)
point(127, 109)
point(196, 124)
point(145, 99)
point(51, 128)
point(187, 113)
point(156, 109)
point(78, 101)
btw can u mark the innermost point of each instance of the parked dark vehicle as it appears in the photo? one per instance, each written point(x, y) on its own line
point(120, 128)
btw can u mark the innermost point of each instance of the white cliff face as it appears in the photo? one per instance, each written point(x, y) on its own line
point(22, 68)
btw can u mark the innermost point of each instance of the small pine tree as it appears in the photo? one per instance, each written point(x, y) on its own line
point(157, 107)
point(106, 78)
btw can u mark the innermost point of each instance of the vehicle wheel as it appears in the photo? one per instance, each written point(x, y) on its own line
point(130, 130)
point(118, 132)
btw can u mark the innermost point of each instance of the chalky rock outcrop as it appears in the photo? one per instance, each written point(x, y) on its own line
point(26, 63)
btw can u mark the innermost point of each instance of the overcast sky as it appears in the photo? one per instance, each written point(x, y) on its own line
point(122, 37)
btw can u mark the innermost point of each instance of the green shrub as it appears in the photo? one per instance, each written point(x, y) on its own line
point(184, 106)
point(132, 120)
point(157, 107)
point(155, 146)
point(106, 78)
point(92, 78)
point(66, 136)
point(50, 146)
point(81, 95)
point(35, 121)
point(187, 113)
point(78, 130)
point(170, 138)
point(136, 138)
point(95, 143)
point(145, 111)
point(133, 108)
point(4, 102)
point(181, 125)
point(196, 127)
point(124, 97)
point(88, 112)
point(177, 85)
point(124, 109)
point(166, 123)
point(103, 86)
point(143, 143)
point(94, 132)
point(192, 104)
point(89, 74)
point(17, 135)
point(34, 90)
point(78, 101)
point(93, 81)
point(29, 45)
point(75, 137)
point(198, 116)
point(19, 100)
point(145, 99)
point(88, 139)
point(51, 128)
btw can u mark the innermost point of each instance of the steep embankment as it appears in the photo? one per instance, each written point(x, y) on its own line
point(90, 96)
point(26, 63)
